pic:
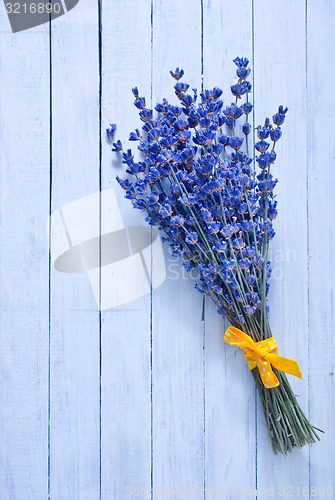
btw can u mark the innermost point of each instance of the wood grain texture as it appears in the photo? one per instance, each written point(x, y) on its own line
point(178, 375)
point(230, 390)
point(24, 180)
point(74, 352)
point(280, 76)
point(146, 395)
point(321, 216)
point(126, 369)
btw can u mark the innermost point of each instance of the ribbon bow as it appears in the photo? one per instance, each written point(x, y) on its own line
point(262, 354)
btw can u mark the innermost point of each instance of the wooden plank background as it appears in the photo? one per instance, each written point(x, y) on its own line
point(145, 395)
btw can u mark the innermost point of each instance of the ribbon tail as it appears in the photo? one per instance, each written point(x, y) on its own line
point(285, 365)
point(269, 378)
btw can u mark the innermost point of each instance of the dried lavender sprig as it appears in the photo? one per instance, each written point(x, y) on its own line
point(207, 201)
point(282, 400)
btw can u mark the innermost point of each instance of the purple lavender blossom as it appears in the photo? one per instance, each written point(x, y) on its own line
point(197, 185)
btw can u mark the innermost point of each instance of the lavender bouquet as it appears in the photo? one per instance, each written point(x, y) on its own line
point(197, 184)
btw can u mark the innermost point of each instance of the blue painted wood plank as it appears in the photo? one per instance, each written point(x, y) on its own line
point(321, 216)
point(74, 355)
point(280, 76)
point(126, 388)
point(178, 356)
point(24, 205)
point(230, 388)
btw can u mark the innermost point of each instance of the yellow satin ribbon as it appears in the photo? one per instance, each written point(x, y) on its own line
point(262, 354)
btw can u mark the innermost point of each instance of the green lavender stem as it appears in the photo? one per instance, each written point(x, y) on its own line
point(288, 427)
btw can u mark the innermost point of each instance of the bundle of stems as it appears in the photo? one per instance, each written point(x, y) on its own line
point(198, 185)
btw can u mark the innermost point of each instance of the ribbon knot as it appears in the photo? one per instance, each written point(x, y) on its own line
point(262, 354)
